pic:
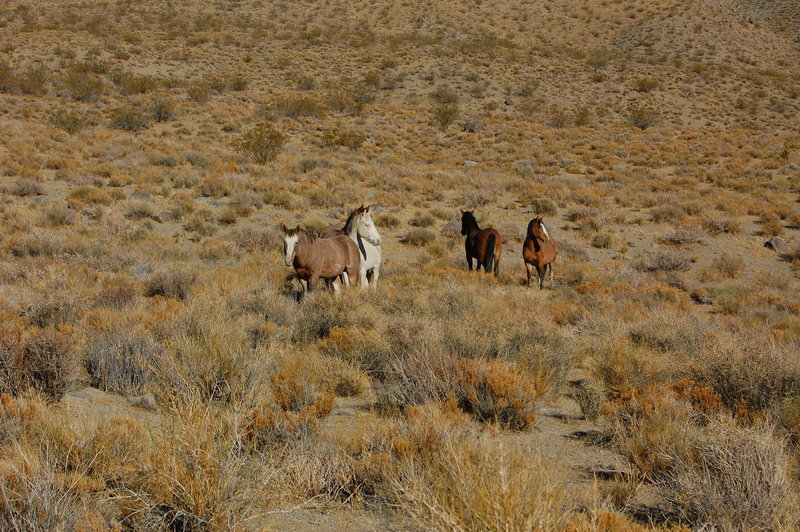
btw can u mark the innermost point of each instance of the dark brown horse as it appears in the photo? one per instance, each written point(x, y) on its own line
point(539, 251)
point(484, 245)
point(320, 258)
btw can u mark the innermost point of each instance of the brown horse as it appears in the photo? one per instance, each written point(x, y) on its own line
point(320, 258)
point(485, 245)
point(539, 251)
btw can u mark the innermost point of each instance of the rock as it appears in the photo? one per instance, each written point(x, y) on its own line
point(607, 472)
point(553, 412)
point(146, 401)
point(164, 217)
point(142, 194)
point(789, 168)
point(382, 122)
point(377, 207)
point(472, 126)
point(38, 202)
point(470, 164)
point(777, 243)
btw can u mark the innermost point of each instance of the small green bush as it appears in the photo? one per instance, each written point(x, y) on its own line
point(262, 142)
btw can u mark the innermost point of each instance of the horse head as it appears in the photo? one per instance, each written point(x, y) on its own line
point(366, 227)
point(468, 222)
point(536, 229)
point(291, 237)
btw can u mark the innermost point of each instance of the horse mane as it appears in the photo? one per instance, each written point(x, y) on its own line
point(350, 219)
point(309, 235)
point(536, 245)
point(470, 219)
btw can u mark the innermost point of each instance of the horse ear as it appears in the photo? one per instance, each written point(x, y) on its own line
point(285, 229)
point(366, 209)
point(461, 211)
point(297, 229)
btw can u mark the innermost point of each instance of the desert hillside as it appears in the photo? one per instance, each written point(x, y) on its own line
point(160, 368)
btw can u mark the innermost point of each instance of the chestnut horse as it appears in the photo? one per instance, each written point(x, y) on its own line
point(539, 251)
point(320, 258)
point(485, 245)
point(361, 229)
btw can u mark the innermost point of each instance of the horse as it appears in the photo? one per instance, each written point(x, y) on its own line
point(361, 229)
point(320, 258)
point(484, 245)
point(539, 251)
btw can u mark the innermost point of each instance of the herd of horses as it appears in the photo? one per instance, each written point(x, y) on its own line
point(352, 254)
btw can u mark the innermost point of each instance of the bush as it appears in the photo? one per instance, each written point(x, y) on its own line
point(647, 84)
point(162, 109)
point(174, 284)
point(68, 121)
point(130, 117)
point(262, 142)
point(737, 479)
point(296, 107)
point(83, 86)
point(44, 360)
point(643, 117)
point(663, 261)
point(419, 237)
point(342, 137)
point(121, 361)
point(496, 392)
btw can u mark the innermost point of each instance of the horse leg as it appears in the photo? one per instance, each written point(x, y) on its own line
point(362, 278)
point(469, 262)
point(539, 275)
point(376, 272)
point(345, 279)
point(551, 274)
point(497, 266)
point(529, 268)
point(337, 286)
point(312, 283)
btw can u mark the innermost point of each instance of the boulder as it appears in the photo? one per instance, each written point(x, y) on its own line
point(778, 244)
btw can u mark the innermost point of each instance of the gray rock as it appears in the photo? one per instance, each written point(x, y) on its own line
point(472, 126)
point(38, 202)
point(470, 164)
point(377, 207)
point(164, 217)
point(382, 122)
point(553, 412)
point(142, 194)
point(778, 244)
point(787, 168)
point(146, 401)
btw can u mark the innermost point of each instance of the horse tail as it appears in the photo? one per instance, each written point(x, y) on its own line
point(488, 257)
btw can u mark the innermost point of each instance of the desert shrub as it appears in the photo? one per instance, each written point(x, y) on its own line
point(643, 117)
point(320, 315)
point(60, 215)
point(543, 207)
point(83, 86)
point(162, 109)
point(445, 114)
point(52, 309)
point(129, 83)
point(446, 477)
point(419, 237)
point(130, 117)
point(770, 225)
point(174, 284)
point(558, 117)
point(748, 376)
point(343, 137)
point(736, 479)
point(139, 210)
point(88, 194)
point(495, 391)
point(27, 187)
point(602, 240)
point(665, 261)
point(44, 360)
point(117, 296)
point(728, 266)
point(422, 220)
point(647, 84)
point(68, 121)
point(296, 107)
point(350, 98)
point(262, 142)
point(200, 92)
point(121, 361)
point(32, 80)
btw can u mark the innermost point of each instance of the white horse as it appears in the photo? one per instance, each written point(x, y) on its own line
point(360, 227)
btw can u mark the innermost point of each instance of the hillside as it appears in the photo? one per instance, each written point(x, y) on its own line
point(161, 370)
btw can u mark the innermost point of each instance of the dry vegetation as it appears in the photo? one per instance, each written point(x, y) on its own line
point(157, 372)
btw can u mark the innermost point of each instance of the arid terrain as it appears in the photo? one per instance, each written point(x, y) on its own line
point(160, 371)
